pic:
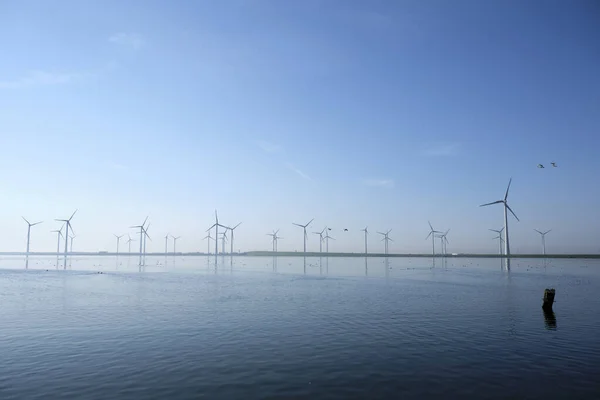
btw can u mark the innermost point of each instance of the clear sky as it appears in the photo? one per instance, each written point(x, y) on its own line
point(355, 113)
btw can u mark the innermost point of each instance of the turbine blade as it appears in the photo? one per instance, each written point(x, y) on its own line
point(310, 222)
point(430, 225)
point(430, 233)
point(72, 215)
point(390, 239)
point(24, 219)
point(513, 213)
point(548, 231)
point(145, 220)
point(388, 231)
point(538, 232)
point(489, 204)
point(507, 189)
point(446, 232)
point(293, 223)
point(236, 226)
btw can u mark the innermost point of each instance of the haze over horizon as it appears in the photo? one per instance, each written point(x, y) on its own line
point(382, 114)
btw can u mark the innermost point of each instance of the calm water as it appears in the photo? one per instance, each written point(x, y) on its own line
point(181, 329)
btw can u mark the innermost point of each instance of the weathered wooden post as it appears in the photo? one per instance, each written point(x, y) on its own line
point(548, 299)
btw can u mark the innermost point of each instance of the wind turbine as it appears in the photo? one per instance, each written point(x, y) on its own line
point(233, 229)
point(444, 241)
point(71, 259)
point(275, 238)
point(432, 233)
point(320, 239)
point(175, 243)
point(501, 240)
point(304, 228)
point(223, 240)
point(166, 243)
point(68, 225)
point(208, 243)
point(326, 238)
point(141, 236)
point(29, 225)
point(216, 225)
point(118, 240)
point(129, 243)
point(506, 209)
point(146, 236)
point(59, 235)
point(366, 231)
point(543, 234)
point(387, 239)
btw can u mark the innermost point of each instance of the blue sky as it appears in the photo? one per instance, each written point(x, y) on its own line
point(355, 113)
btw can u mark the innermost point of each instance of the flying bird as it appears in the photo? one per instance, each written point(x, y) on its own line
point(540, 166)
point(345, 230)
point(554, 164)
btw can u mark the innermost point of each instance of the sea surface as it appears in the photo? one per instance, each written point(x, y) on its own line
point(330, 328)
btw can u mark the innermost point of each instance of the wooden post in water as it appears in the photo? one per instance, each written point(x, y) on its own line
point(548, 299)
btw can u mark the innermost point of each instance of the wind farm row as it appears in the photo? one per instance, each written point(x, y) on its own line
point(224, 234)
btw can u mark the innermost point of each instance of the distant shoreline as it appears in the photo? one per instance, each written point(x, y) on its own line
point(299, 254)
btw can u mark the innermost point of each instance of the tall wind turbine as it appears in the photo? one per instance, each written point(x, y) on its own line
point(67, 225)
point(304, 228)
point(500, 239)
point(175, 243)
point(387, 239)
point(59, 235)
point(208, 239)
point(141, 236)
point(231, 243)
point(432, 233)
point(320, 239)
point(29, 225)
point(506, 209)
point(543, 234)
point(223, 240)
point(118, 240)
point(366, 231)
point(166, 243)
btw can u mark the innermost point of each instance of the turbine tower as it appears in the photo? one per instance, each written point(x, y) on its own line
point(387, 239)
point(320, 239)
point(68, 225)
point(304, 228)
point(432, 233)
point(231, 243)
point(366, 231)
point(543, 235)
point(118, 240)
point(166, 243)
point(506, 209)
point(141, 236)
point(71, 259)
point(29, 225)
point(500, 239)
